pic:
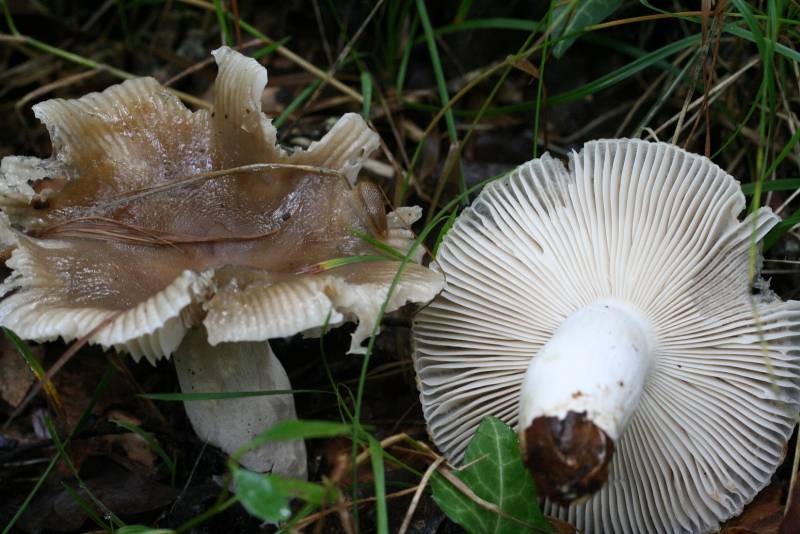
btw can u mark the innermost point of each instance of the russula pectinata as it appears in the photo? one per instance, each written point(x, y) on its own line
point(157, 230)
point(607, 311)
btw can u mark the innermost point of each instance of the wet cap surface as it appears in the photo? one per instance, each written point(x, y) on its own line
point(134, 225)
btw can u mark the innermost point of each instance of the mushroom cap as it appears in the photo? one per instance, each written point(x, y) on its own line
point(132, 232)
point(654, 226)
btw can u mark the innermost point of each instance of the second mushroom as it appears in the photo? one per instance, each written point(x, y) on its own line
point(606, 310)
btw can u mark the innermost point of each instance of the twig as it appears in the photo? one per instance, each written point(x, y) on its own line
point(342, 55)
point(345, 504)
point(696, 74)
point(91, 64)
point(326, 47)
point(201, 177)
point(713, 93)
point(48, 87)
point(420, 488)
point(343, 510)
point(288, 54)
point(105, 228)
point(207, 61)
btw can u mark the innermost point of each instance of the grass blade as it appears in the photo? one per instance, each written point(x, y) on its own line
point(36, 367)
point(441, 83)
point(366, 93)
point(403, 68)
point(84, 505)
point(222, 20)
point(222, 395)
point(298, 429)
point(584, 14)
point(98, 392)
point(625, 72)
point(783, 184)
point(376, 456)
point(538, 110)
point(296, 103)
point(436, 64)
point(152, 443)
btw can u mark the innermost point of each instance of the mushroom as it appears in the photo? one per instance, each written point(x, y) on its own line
point(157, 230)
point(607, 312)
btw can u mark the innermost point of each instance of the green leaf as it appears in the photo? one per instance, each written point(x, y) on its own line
point(585, 13)
point(267, 496)
point(311, 493)
point(495, 473)
point(260, 497)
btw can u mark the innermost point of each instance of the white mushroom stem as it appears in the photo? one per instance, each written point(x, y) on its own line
point(596, 362)
point(231, 423)
point(578, 393)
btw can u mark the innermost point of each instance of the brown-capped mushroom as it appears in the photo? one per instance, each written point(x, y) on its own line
point(157, 230)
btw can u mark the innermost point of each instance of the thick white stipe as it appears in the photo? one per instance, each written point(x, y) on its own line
point(597, 362)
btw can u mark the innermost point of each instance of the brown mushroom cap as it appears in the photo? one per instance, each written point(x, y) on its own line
point(134, 222)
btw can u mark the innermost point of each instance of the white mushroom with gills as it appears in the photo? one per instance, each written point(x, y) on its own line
point(158, 231)
point(607, 311)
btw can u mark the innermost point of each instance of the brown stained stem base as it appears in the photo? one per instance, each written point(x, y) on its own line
point(568, 457)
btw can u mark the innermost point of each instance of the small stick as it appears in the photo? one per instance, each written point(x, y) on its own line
point(420, 488)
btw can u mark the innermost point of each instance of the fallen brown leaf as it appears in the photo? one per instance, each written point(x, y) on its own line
point(121, 492)
point(561, 527)
point(15, 375)
point(762, 516)
point(791, 520)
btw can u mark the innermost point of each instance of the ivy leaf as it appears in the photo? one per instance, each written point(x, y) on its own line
point(495, 473)
point(582, 14)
